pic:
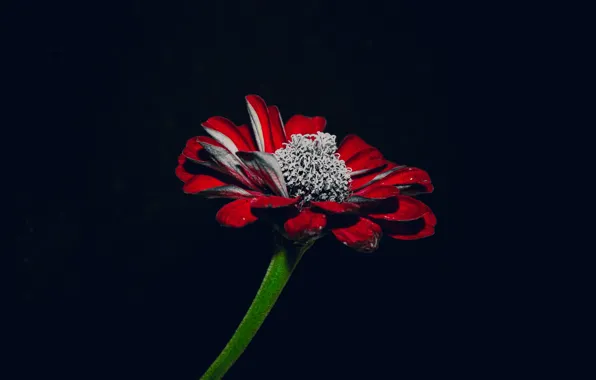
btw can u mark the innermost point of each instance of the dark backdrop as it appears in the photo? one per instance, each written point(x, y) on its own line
point(125, 277)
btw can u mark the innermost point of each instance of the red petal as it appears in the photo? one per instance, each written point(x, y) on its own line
point(226, 133)
point(248, 138)
point(277, 128)
point(364, 179)
point(193, 147)
point(303, 125)
point(412, 230)
point(336, 208)
point(365, 161)
point(193, 154)
point(181, 173)
point(236, 214)
point(364, 236)
point(319, 122)
point(358, 181)
point(408, 176)
point(372, 195)
point(378, 192)
point(377, 175)
point(201, 182)
point(408, 209)
point(259, 118)
point(305, 225)
point(350, 145)
point(273, 202)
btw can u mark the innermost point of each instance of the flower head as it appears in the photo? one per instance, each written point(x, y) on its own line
point(314, 185)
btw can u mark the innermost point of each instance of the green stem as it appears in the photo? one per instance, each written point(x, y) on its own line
point(282, 264)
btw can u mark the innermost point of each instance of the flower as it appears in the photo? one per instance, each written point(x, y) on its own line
point(297, 177)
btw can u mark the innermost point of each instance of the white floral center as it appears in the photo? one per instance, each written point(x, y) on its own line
point(313, 170)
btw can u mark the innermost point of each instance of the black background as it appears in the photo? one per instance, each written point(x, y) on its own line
point(125, 277)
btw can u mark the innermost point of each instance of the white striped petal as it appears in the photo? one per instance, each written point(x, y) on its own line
point(380, 176)
point(228, 160)
point(222, 139)
point(266, 168)
point(227, 191)
point(256, 126)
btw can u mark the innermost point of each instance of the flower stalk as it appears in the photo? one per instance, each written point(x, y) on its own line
point(283, 262)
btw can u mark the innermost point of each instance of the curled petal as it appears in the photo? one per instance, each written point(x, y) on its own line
point(236, 214)
point(273, 202)
point(411, 230)
point(264, 170)
point(408, 209)
point(336, 208)
point(278, 133)
point(305, 225)
point(302, 125)
point(406, 178)
point(181, 172)
point(259, 119)
point(365, 161)
point(350, 145)
point(192, 148)
point(363, 236)
point(226, 133)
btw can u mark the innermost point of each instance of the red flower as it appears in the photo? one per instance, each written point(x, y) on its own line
point(296, 177)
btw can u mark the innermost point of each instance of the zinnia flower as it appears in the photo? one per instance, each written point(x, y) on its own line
point(299, 179)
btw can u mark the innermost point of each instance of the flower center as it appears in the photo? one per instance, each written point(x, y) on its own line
point(312, 170)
